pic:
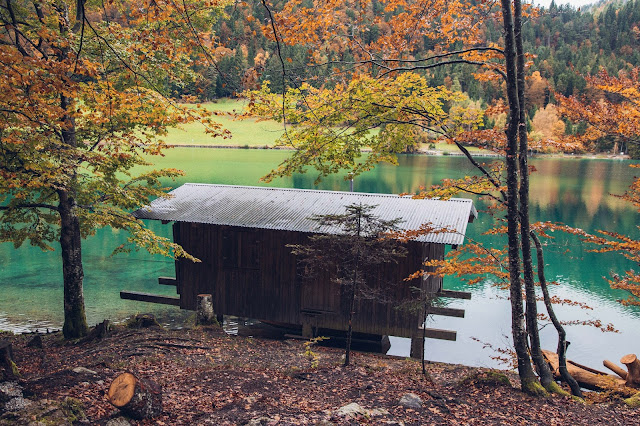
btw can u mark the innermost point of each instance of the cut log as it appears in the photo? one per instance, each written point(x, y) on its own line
point(587, 378)
point(204, 311)
point(135, 397)
point(613, 367)
point(633, 367)
point(8, 369)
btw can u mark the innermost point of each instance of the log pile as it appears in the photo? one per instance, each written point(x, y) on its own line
point(136, 397)
point(593, 379)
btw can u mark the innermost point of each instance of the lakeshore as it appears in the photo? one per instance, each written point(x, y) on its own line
point(422, 151)
point(210, 377)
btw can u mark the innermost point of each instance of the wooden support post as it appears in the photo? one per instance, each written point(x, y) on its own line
point(8, 368)
point(417, 346)
point(138, 398)
point(307, 330)
point(204, 312)
point(633, 367)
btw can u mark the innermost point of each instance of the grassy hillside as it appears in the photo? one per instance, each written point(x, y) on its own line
point(249, 132)
point(244, 132)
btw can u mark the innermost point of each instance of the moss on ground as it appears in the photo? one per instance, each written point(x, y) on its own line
point(633, 401)
point(487, 378)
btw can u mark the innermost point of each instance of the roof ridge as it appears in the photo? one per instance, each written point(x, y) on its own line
point(365, 194)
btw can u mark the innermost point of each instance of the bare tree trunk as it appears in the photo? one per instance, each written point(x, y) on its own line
point(75, 321)
point(546, 378)
point(528, 378)
point(562, 335)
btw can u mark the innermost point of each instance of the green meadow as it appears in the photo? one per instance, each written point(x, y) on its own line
point(249, 132)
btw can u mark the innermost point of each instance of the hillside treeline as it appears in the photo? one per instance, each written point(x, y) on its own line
point(565, 44)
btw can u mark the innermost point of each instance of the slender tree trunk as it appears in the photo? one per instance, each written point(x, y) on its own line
point(562, 335)
point(528, 378)
point(352, 303)
point(546, 378)
point(352, 297)
point(425, 307)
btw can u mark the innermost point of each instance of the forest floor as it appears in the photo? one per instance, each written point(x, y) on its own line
point(210, 377)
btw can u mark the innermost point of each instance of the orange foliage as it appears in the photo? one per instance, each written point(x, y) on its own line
point(339, 26)
point(618, 115)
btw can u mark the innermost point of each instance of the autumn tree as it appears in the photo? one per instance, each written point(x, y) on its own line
point(537, 91)
point(547, 124)
point(356, 246)
point(614, 113)
point(381, 88)
point(84, 101)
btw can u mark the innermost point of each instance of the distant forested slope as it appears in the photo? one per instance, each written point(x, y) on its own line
point(565, 43)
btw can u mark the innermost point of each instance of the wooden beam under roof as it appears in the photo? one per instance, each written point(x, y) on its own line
point(151, 298)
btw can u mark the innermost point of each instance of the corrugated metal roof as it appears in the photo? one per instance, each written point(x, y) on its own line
point(291, 209)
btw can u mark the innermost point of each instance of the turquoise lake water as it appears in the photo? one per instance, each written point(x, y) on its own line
point(577, 192)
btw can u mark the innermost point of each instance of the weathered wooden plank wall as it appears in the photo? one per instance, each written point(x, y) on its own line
point(251, 273)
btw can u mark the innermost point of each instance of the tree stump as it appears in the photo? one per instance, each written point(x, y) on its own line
point(204, 312)
point(99, 332)
point(8, 368)
point(142, 321)
point(35, 342)
point(633, 367)
point(137, 398)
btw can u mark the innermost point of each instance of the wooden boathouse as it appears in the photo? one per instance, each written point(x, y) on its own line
point(241, 234)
